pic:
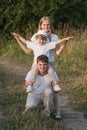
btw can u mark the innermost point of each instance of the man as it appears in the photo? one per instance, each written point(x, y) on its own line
point(42, 88)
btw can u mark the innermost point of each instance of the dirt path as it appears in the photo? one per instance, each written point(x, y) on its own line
point(72, 120)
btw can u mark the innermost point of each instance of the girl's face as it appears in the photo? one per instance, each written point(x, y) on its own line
point(41, 40)
point(46, 27)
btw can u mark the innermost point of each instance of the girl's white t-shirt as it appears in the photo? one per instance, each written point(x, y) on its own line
point(54, 38)
point(40, 49)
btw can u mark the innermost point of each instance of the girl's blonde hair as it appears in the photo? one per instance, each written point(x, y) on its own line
point(41, 21)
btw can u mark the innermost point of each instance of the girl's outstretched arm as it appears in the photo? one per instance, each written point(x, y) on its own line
point(59, 49)
point(64, 40)
point(19, 37)
point(23, 47)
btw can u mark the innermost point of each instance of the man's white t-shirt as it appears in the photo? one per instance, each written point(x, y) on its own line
point(54, 38)
point(40, 49)
point(41, 83)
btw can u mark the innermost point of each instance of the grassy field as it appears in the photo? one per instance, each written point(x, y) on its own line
point(72, 70)
point(12, 103)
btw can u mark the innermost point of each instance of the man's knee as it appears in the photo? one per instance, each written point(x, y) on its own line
point(32, 101)
point(30, 106)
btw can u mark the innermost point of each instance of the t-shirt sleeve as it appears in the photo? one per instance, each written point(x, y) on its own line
point(54, 37)
point(28, 76)
point(33, 38)
point(29, 44)
point(51, 45)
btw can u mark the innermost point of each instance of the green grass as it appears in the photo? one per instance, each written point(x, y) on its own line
point(73, 74)
point(12, 102)
point(72, 70)
point(13, 52)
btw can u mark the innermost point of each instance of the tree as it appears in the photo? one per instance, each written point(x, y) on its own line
point(18, 15)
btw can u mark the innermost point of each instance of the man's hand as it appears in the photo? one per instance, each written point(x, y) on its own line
point(27, 83)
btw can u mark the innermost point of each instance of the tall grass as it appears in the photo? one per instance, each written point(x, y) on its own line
point(72, 70)
point(12, 103)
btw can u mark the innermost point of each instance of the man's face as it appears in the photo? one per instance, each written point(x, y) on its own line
point(42, 67)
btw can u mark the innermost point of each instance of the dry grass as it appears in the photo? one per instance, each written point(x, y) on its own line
point(12, 105)
point(72, 70)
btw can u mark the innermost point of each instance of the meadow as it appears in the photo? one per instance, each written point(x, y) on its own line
point(72, 70)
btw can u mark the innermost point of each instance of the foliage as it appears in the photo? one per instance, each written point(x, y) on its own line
point(24, 15)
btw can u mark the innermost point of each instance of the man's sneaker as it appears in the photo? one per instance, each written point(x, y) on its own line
point(57, 115)
point(56, 88)
point(29, 89)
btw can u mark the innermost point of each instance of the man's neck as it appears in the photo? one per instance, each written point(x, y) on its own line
point(42, 74)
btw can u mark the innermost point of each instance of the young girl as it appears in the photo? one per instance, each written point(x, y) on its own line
point(46, 25)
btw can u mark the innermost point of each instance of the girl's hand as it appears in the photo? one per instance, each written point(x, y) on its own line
point(69, 38)
point(15, 34)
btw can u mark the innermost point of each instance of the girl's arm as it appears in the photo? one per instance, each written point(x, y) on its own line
point(19, 37)
point(23, 47)
point(59, 49)
point(64, 40)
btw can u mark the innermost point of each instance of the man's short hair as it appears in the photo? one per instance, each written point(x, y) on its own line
point(42, 58)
